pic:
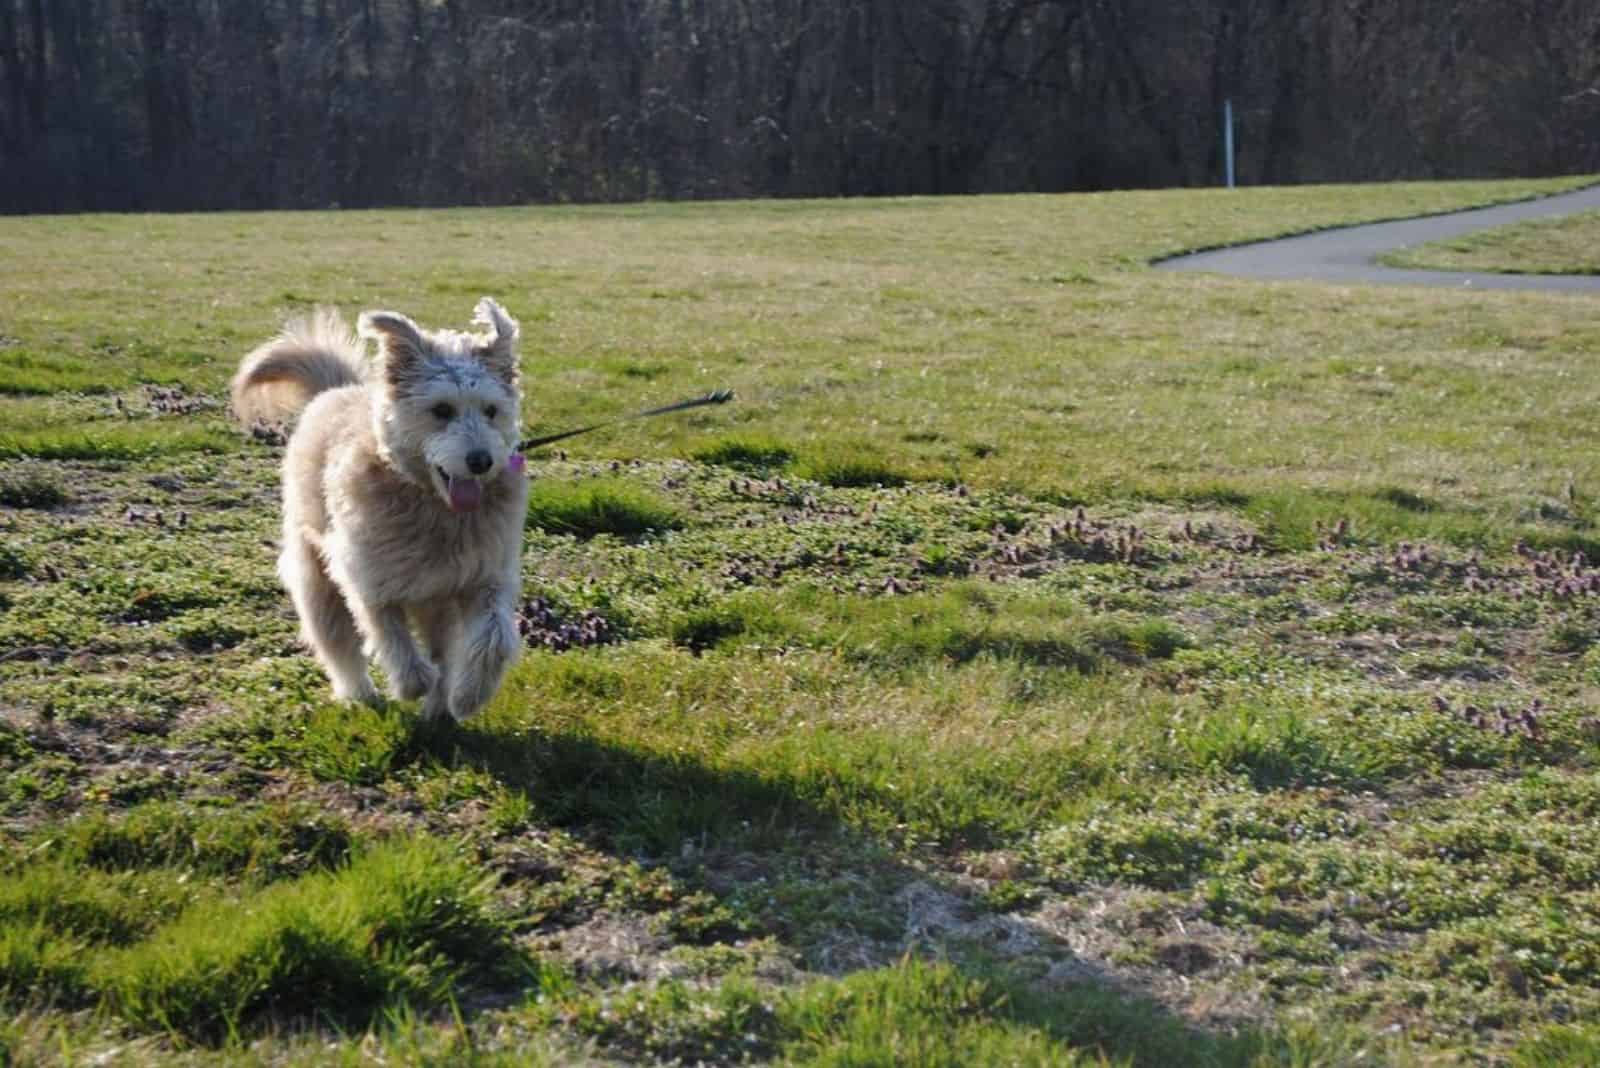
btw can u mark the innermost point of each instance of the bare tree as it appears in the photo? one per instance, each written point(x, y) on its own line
point(221, 104)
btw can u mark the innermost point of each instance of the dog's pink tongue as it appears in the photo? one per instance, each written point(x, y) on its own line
point(465, 494)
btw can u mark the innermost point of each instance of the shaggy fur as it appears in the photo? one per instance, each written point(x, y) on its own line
point(402, 516)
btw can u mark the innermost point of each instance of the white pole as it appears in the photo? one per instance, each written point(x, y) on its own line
point(1227, 139)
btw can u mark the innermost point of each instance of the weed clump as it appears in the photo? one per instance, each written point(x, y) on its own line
point(37, 965)
point(13, 565)
point(587, 509)
point(208, 631)
point(396, 926)
point(30, 488)
point(151, 605)
point(263, 843)
point(1150, 639)
point(753, 454)
point(701, 629)
point(845, 466)
point(543, 626)
point(66, 901)
point(677, 1024)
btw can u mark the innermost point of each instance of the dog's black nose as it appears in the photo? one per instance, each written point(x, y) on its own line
point(479, 461)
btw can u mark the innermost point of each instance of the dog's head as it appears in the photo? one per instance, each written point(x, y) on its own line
point(448, 408)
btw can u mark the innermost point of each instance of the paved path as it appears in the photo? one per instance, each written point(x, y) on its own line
point(1349, 254)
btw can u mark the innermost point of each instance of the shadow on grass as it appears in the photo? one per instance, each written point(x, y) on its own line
point(773, 857)
point(621, 798)
point(636, 803)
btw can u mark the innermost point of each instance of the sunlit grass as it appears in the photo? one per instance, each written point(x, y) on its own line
point(1567, 245)
point(114, 441)
point(1011, 340)
point(585, 509)
point(1034, 630)
point(397, 924)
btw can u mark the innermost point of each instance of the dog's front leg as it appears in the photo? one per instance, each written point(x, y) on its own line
point(489, 645)
point(384, 626)
point(439, 625)
point(410, 674)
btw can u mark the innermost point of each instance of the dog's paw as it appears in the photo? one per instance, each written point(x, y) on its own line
point(491, 644)
point(358, 691)
point(416, 678)
point(466, 703)
point(469, 692)
point(490, 647)
point(437, 705)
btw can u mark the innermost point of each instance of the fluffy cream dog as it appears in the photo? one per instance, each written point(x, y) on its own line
point(403, 499)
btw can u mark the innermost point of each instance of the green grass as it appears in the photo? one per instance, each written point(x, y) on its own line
point(1559, 1046)
point(958, 624)
point(31, 488)
point(400, 923)
point(114, 442)
point(849, 464)
point(1541, 246)
point(396, 925)
point(255, 844)
point(873, 322)
point(746, 453)
point(44, 370)
point(918, 1014)
point(912, 1012)
point(1044, 660)
point(586, 509)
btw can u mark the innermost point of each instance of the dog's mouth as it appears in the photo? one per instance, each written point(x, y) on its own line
point(464, 494)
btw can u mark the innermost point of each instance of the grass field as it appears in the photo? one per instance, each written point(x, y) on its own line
point(1046, 661)
point(1566, 245)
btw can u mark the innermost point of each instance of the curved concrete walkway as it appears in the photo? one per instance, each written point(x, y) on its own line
point(1349, 254)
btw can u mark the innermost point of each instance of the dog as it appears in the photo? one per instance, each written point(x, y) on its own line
point(403, 499)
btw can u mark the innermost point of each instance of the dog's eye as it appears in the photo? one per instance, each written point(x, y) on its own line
point(444, 411)
point(491, 411)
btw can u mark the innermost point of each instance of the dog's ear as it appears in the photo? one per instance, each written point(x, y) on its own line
point(498, 351)
point(400, 344)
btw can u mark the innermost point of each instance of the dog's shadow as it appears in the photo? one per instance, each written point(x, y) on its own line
point(646, 806)
point(624, 799)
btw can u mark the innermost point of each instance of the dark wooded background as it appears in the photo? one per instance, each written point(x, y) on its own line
point(202, 104)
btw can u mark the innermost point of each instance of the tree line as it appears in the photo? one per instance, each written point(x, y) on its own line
point(247, 104)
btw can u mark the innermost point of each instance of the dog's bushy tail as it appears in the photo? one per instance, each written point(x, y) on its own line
point(312, 354)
